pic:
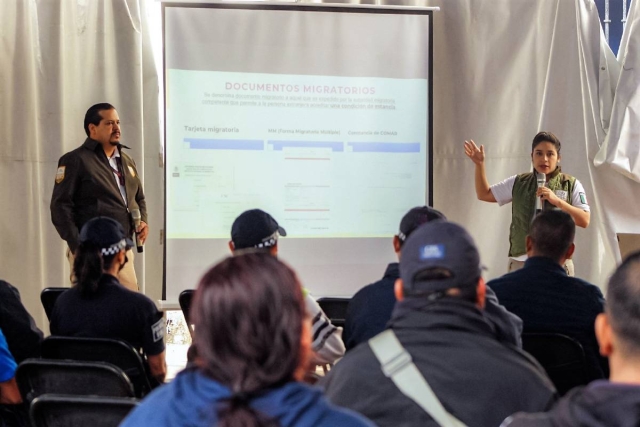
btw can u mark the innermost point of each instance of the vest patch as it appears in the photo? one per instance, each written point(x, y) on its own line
point(432, 252)
point(132, 171)
point(60, 174)
point(158, 330)
point(562, 194)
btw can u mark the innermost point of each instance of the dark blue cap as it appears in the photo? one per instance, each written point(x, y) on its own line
point(439, 244)
point(105, 233)
point(255, 229)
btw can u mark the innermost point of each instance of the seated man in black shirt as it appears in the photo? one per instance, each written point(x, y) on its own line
point(98, 306)
point(20, 330)
point(545, 297)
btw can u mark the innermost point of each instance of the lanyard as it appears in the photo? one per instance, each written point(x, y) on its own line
point(119, 172)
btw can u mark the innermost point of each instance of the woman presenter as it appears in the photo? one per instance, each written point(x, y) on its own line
point(555, 189)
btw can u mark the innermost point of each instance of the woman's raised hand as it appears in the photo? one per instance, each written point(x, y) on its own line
point(473, 152)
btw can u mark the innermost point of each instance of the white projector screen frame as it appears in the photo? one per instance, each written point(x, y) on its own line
point(343, 264)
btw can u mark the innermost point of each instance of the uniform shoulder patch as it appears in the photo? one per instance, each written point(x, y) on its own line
point(158, 330)
point(583, 198)
point(132, 171)
point(60, 174)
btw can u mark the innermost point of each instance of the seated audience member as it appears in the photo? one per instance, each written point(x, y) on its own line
point(370, 308)
point(12, 413)
point(613, 403)
point(438, 321)
point(257, 231)
point(98, 306)
point(253, 339)
point(545, 297)
point(20, 330)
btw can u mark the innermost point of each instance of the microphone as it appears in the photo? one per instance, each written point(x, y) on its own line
point(135, 215)
point(540, 178)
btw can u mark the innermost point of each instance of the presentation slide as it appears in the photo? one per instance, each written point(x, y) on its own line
point(324, 155)
point(311, 113)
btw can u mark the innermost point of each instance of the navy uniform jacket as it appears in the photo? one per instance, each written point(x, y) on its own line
point(547, 300)
point(86, 188)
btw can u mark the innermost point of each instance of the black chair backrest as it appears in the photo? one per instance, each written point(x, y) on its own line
point(53, 410)
point(561, 356)
point(42, 376)
point(117, 353)
point(335, 309)
point(185, 305)
point(49, 296)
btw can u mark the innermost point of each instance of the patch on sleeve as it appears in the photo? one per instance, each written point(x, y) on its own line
point(132, 171)
point(60, 174)
point(583, 198)
point(562, 195)
point(158, 330)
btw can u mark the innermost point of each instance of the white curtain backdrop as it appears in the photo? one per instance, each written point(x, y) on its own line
point(503, 70)
point(59, 58)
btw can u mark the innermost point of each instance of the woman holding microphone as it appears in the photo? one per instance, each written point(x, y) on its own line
point(560, 191)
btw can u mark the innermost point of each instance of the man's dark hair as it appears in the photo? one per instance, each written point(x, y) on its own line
point(545, 137)
point(464, 291)
point(93, 117)
point(623, 303)
point(552, 234)
point(415, 218)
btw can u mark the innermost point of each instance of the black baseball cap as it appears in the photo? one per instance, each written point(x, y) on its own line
point(105, 233)
point(255, 229)
point(439, 244)
point(415, 218)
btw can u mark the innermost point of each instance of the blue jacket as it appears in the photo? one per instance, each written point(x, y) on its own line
point(191, 400)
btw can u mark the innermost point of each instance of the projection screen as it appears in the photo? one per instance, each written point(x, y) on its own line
point(319, 115)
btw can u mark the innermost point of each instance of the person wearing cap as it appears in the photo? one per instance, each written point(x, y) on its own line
point(98, 306)
point(370, 308)
point(439, 322)
point(256, 231)
point(546, 298)
point(99, 178)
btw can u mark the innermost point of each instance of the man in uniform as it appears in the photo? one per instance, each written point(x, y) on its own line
point(99, 179)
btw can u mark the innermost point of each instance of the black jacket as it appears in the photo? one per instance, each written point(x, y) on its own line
point(478, 379)
point(370, 309)
point(600, 404)
point(86, 188)
point(547, 300)
point(19, 328)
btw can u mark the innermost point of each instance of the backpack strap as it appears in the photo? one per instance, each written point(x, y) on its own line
point(397, 365)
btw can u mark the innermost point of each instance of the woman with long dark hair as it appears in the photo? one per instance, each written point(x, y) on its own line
point(252, 339)
point(98, 306)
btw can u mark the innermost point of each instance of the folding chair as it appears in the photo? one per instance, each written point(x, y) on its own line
point(48, 297)
point(561, 356)
point(115, 352)
point(335, 309)
point(53, 410)
point(36, 377)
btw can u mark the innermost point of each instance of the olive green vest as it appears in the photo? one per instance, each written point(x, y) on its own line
point(523, 205)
